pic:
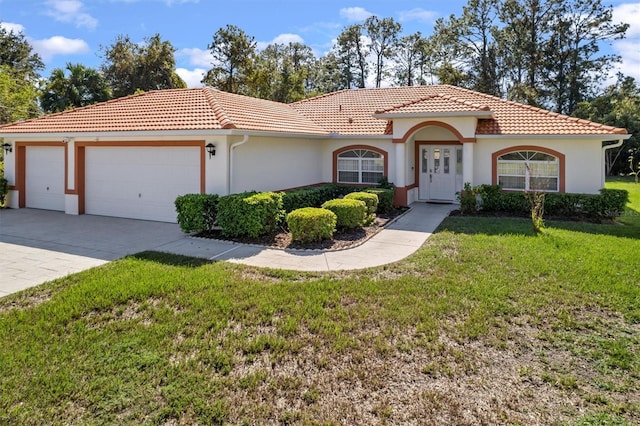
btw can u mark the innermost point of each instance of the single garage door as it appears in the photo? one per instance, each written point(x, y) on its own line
point(139, 182)
point(44, 177)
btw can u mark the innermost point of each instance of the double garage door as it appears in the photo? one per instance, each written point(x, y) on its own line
point(139, 182)
point(130, 182)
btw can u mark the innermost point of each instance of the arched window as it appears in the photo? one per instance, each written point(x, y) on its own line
point(360, 166)
point(528, 171)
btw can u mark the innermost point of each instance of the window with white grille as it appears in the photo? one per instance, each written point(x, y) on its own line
point(360, 166)
point(529, 171)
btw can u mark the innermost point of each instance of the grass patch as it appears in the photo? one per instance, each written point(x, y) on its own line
point(487, 323)
point(631, 215)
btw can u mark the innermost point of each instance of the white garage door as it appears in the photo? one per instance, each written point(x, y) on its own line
point(139, 182)
point(45, 177)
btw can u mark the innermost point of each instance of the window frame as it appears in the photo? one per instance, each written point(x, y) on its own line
point(560, 160)
point(336, 157)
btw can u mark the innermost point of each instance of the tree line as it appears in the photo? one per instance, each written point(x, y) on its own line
point(544, 53)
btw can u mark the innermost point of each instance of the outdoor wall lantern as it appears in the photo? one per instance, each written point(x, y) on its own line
point(7, 147)
point(211, 149)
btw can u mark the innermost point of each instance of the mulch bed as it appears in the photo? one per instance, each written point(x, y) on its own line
point(342, 238)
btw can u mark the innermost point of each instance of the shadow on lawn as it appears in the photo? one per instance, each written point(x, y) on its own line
point(500, 225)
point(170, 259)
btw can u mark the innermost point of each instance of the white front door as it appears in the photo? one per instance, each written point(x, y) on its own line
point(438, 173)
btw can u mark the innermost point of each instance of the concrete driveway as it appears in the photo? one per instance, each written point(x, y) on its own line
point(40, 245)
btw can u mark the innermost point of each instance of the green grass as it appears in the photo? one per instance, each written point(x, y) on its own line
point(632, 213)
point(487, 323)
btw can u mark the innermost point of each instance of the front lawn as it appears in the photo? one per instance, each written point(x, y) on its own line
point(632, 213)
point(486, 324)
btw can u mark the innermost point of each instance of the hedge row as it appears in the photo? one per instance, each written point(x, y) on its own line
point(609, 203)
point(317, 195)
point(313, 196)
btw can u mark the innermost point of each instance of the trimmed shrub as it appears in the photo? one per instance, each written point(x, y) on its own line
point(385, 198)
point(349, 213)
point(197, 212)
point(371, 200)
point(313, 196)
point(613, 202)
point(250, 214)
point(311, 224)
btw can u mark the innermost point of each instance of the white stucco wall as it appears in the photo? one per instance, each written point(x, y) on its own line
point(216, 176)
point(9, 162)
point(583, 160)
point(270, 163)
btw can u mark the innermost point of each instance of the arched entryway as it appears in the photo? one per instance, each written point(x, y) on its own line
point(437, 158)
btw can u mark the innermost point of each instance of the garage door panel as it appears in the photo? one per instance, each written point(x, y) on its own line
point(44, 186)
point(139, 182)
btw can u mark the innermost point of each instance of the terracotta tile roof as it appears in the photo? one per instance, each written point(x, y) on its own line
point(437, 103)
point(348, 112)
point(179, 109)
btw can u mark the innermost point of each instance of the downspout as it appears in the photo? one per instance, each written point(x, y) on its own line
point(244, 140)
point(604, 158)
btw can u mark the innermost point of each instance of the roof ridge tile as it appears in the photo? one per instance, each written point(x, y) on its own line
point(216, 108)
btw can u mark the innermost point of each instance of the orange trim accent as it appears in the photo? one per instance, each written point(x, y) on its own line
point(559, 155)
point(449, 127)
point(66, 167)
point(400, 197)
point(385, 157)
point(203, 166)
point(21, 174)
point(79, 177)
point(21, 167)
point(416, 168)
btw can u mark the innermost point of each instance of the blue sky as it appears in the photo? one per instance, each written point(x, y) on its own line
point(64, 31)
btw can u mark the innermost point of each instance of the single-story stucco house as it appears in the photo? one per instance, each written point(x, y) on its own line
point(131, 157)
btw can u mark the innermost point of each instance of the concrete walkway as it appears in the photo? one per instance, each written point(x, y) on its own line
point(39, 245)
point(394, 243)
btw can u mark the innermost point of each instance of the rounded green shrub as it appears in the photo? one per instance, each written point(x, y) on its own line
point(371, 200)
point(385, 198)
point(350, 213)
point(311, 224)
point(250, 214)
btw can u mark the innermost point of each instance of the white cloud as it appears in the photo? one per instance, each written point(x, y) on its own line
point(71, 11)
point(354, 14)
point(629, 13)
point(193, 77)
point(628, 48)
point(197, 57)
point(281, 39)
point(58, 45)
point(10, 26)
point(417, 14)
